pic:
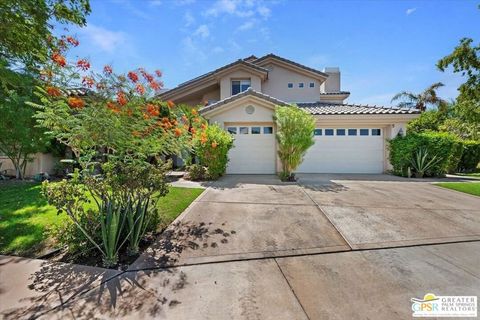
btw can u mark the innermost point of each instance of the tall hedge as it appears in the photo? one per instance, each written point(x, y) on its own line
point(445, 146)
point(470, 156)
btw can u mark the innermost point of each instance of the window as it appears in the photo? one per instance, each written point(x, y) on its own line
point(240, 86)
point(232, 130)
point(256, 130)
point(290, 85)
point(364, 132)
point(312, 85)
point(317, 132)
point(376, 132)
point(352, 132)
point(329, 132)
point(300, 85)
point(340, 132)
point(243, 130)
point(267, 130)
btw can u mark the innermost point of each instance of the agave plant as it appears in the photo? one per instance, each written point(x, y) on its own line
point(138, 219)
point(422, 162)
point(111, 226)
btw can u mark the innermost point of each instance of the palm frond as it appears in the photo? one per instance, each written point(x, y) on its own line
point(405, 95)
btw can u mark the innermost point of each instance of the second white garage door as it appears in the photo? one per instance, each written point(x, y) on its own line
point(253, 151)
point(349, 150)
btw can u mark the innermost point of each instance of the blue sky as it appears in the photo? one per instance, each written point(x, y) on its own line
point(381, 47)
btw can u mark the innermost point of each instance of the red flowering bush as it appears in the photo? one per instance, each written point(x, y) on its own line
point(114, 125)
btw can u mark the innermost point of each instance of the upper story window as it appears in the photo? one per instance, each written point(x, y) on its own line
point(240, 86)
point(312, 85)
point(300, 84)
point(290, 85)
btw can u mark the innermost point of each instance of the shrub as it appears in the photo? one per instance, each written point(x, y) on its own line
point(470, 156)
point(294, 136)
point(445, 147)
point(428, 121)
point(211, 147)
point(196, 172)
point(68, 235)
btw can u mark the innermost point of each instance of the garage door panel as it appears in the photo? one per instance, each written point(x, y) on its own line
point(252, 153)
point(344, 154)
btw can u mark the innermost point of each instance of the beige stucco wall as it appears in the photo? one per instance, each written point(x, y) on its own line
point(226, 82)
point(236, 113)
point(277, 85)
point(213, 95)
point(42, 162)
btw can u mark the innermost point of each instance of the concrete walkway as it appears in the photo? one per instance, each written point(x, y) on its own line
point(252, 247)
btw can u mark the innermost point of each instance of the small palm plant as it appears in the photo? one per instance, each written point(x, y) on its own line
point(422, 162)
point(294, 136)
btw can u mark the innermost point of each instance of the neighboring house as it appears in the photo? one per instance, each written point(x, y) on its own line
point(241, 97)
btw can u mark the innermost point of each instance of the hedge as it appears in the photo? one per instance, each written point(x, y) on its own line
point(470, 156)
point(445, 146)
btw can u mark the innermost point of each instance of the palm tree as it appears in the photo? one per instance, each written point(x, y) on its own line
point(421, 100)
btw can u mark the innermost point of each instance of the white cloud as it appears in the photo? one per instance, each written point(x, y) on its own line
point(246, 25)
point(222, 6)
point(410, 11)
point(192, 53)
point(202, 31)
point(189, 19)
point(264, 11)
point(106, 40)
point(239, 8)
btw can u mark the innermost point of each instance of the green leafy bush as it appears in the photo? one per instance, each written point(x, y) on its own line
point(428, 121)
point(196, 172)
point(447, 148)
point(470, 156)
point(211, 148)
point(69, 236)
point(294, 136)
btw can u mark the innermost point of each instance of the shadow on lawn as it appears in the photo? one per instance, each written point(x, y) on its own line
point(20, 204)
point(74, 291)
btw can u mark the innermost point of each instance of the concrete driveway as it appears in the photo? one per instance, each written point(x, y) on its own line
point(249, 217)
point(329, 247)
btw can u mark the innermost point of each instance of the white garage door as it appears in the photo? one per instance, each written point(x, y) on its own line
point(253, 151)
point(345, 150)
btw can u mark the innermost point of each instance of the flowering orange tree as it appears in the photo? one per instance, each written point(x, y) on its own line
point(211, 145)
point(116, 113)
point(115, 126)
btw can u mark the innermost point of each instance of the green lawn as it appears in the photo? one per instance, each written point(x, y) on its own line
point(467, 187)
point(25, 214)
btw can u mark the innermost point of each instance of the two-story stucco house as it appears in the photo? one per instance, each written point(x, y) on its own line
point(241, 97)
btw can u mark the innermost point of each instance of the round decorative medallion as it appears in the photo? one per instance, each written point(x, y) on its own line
point(250, 109)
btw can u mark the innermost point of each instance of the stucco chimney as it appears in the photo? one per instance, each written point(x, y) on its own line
point(332, 84)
